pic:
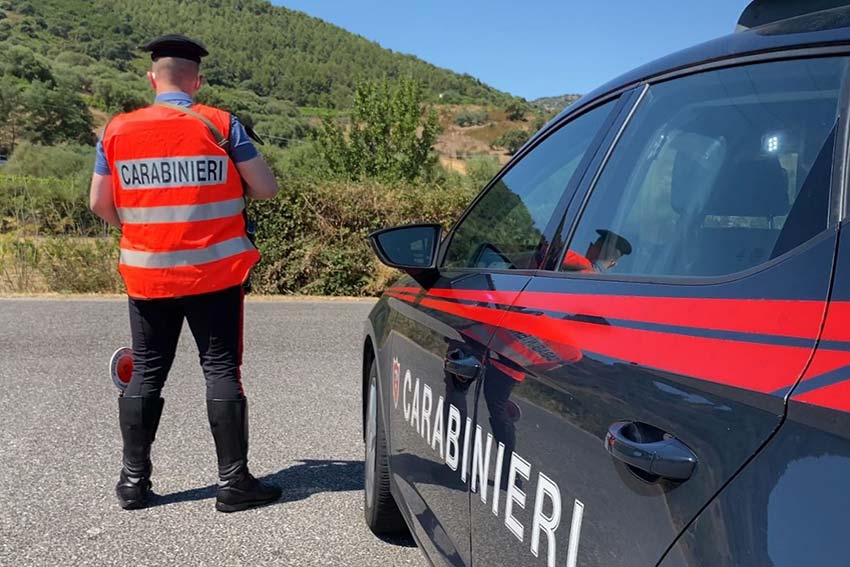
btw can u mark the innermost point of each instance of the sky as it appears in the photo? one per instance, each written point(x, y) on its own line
point(532, 48)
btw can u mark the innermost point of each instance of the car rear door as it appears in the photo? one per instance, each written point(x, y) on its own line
point(626, 386)
point(790, 505)
point(438, 343)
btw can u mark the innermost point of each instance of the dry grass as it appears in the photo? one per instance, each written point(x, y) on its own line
point(457, 143)
point(101, 118)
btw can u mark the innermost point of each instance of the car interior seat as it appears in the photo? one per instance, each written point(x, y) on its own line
point(739, 228)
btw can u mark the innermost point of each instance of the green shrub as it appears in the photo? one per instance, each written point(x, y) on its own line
point(511, 141)
point(450, 97)
point(74, 58)
point(19, 265)
point(72, 78)
point(300, 161)
point(23, 63)
point(67, 161)
point(80, 265)
point(59, 264)
point(516, 109)
point(50, 206)
point(282, 131)
point(390, 135)
point(115, 96)
point(480, 170)
point(471, 117)
point(313, 235)
point(55, 115)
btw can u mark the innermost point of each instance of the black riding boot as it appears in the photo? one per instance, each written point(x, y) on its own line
point(139, 419)
point(237, 489)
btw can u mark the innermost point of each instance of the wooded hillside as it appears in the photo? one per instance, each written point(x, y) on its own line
point(270, 50)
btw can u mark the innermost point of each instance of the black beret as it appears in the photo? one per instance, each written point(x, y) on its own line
point(176, 45)
point(619, 242)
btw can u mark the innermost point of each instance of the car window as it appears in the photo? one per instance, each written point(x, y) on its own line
point(505, 228)
point(716, 173)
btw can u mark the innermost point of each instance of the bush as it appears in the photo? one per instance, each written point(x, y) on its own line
point(480, 170)
point(56, 115)
point(25, 8)
point(115, 96)
point(74, 58)
point(313, 235)
point(516, 110)
point(450, 97)
point(300, 161)
point(511, 141)
point(50, 206)
point(19, 265)
point(282, 130)
point(59, 264)
point(80, 265)
point(390, 135)
point(72, 78)
point(23, 63)
point(68, 161)
point(471, 117)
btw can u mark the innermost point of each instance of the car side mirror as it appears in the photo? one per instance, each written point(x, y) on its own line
point(410, 248)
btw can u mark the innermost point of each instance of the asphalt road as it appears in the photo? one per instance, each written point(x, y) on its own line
point(60, 448)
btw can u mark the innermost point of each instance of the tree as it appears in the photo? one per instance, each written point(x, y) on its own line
point(516, 110)
point(281, 130)
point(21, 62)
point(11, 113)
point(62, 161)
point(56, 115)
point(511, 141)
point(471, 117)
point(114, 96)
point(480, 170)
point(391, 134)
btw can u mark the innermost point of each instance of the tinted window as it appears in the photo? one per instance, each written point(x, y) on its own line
point(716, 173)
point(505, 228)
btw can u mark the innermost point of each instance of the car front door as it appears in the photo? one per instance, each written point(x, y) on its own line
point(438, 344)
point(624, 387)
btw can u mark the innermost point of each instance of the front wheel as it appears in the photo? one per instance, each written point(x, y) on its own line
point(382, 514)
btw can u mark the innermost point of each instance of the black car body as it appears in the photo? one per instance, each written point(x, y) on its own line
point(634, 347)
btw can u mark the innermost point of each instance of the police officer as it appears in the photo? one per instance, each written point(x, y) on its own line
point(601, 255)
point(171, 177)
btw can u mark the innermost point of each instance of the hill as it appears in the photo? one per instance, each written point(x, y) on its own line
point(255, 46)
point(555, 103)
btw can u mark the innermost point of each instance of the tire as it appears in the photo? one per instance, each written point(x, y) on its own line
point(382, 514)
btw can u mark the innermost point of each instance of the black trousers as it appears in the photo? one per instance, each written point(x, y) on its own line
point(215, 320)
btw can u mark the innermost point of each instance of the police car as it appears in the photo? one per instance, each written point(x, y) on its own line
point(633, 348)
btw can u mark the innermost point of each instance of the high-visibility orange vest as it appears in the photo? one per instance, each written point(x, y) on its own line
point(180, 201)
point(575, 262)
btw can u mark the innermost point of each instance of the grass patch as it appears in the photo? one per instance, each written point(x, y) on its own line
point(318, 112)
point(59, 264)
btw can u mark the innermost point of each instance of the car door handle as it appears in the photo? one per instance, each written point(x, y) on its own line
point(650, 450)
point(463, 365)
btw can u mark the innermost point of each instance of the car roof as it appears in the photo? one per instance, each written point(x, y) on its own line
point(818, 29)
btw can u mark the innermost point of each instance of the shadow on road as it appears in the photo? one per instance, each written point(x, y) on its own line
point(298, 482)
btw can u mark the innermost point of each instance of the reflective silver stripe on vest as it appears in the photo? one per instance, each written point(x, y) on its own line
point(178, 258)
point(181, 213)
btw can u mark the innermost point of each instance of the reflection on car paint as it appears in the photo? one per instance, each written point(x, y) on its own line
point(450, 425)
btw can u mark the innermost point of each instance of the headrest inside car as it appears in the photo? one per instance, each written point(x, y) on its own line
point(695, 167)
point(750, 188)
